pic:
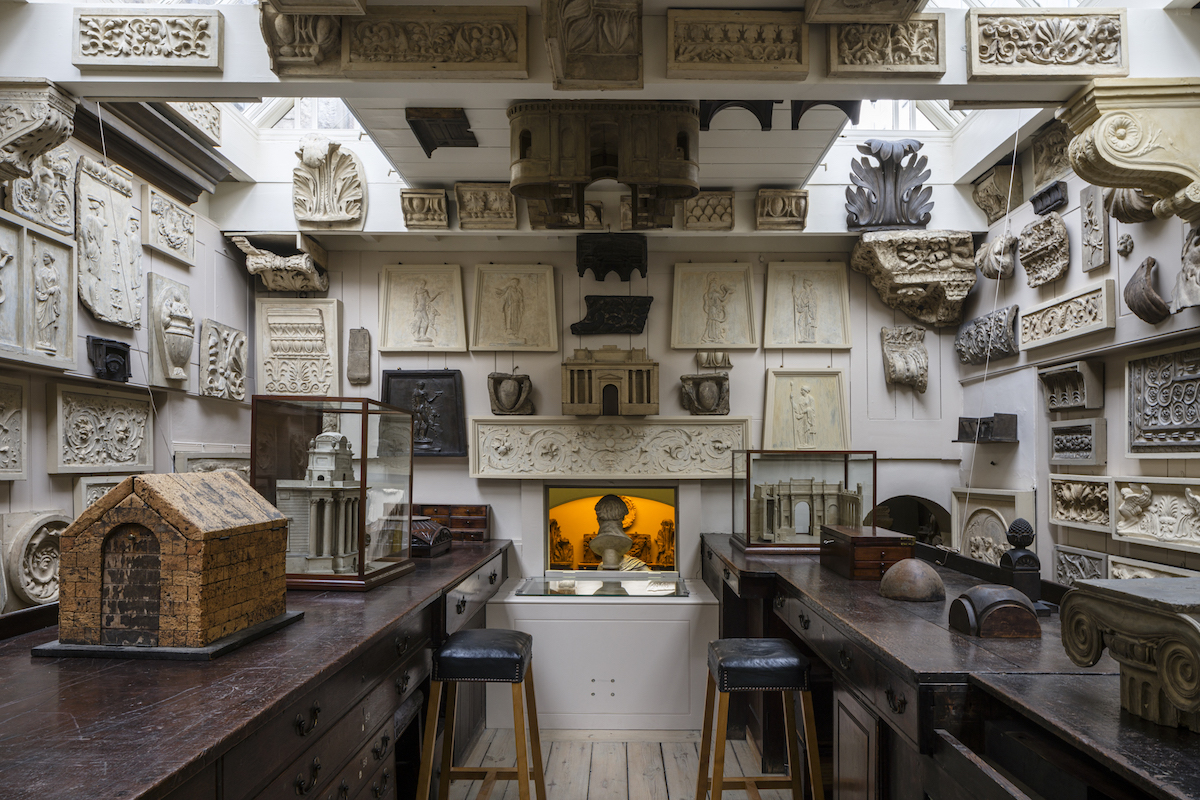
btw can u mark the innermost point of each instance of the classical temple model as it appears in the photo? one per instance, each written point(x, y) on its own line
point(609, 381)
point(781, 511)
point(322, 509)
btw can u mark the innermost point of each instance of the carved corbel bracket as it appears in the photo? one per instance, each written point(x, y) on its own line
point(35, 117)
point(279, 273)
point(301, 44)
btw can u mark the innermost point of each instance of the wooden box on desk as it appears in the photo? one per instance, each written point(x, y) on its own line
point(466, 523)
point(863, 554)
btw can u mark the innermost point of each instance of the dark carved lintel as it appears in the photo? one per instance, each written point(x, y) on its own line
point(761, 109)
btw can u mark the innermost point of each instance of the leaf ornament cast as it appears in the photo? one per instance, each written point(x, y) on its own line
point(1050, 41)
point(890, 195)
point(146, 37)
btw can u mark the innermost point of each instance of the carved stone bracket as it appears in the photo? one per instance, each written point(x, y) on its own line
point(1046, 44)
point(594, 45)
point(35, 117)
point(1079, 442)
point(1083, 312)
point(915, 47)
point(109, 359)
point(925, 274)
point(905, 359)
point(1050, 197)
point(781, 210)
point(1078, 384)
point(1044, 249)
point(1130, 206)
point(998, 191)
point(705, 394)
point(301, 44)
point(1081, 501)
point(1049, 148)
point(733, 44)
point(762, 110)
point(890, 194)
point(851, 108)
point(1141, 297)
point(424, 209)
point(991, 337)
point(292, 273)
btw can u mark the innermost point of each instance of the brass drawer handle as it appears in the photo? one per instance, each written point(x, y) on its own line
point(303, 787)
point(897, 703)
point(343, 790)
point(725, 573)
point(402, 683)
point(805, 621)
point(380, 749)
point(492, 578)
point(461, 605)
point(844, 658)
point(778, 601)
point(402, 645)
point(710, 554)
point(381, 786)
point(305, 728)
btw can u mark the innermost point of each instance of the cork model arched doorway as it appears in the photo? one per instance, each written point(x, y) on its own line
point(130, 594)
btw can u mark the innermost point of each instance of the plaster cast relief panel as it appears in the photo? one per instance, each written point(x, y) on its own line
point(201, 119)
point(172, 332)
point(421, 308)
point(988, 338)
point(108, 237)
point(594, 45)
point(14, 429)
point(781, 210)
point(358, 357)
point(1079, 442)
point(299, 345)
point(90, 488)
point(37, 295)
point(998, 191)
point(550, 447)
point(1162, 512)
point(12, 281)
point(99, 430)
point(733, 44)
point(1076, 564)
point(515, 308)
point(223, 359)
point(152, 38)
point(35, 117)
point(1078, 384)
point(1162, 404)
point(994, 258)
point(213, 460)
point(821, 11)
point(1130, 206)
point(329, 186)
point(47, 196)
point(1131, 568)
point(1093, 221)
point(708, 211)
point(905, 359)
point(168, 227)
point(1187, 283)
point(31, 555)
point(294, 273)
point(890, 194)
point(925, 274)
point(424, 209)
point(485, 206)
point(1050, 158)
point(1050, 44)
point(1081, 501)
point(1044, 250)
point(808, 306)
point(1088, 310)
point(916, 47)
point(713, 306)
point(980, 520)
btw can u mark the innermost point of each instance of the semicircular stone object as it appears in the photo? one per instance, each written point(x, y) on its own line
point(1141, 297)
point(913, 580)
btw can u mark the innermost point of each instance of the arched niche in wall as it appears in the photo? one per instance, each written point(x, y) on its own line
point(914, 516)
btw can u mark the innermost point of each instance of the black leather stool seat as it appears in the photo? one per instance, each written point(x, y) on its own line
point(752, 665)
point(484, 655)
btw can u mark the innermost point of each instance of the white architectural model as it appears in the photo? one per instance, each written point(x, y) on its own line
point(783, 511)
point(322, 509)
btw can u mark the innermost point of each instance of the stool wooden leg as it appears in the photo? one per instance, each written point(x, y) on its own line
point(789, 721)
point(448, 742)
point(710, 696)
point(519, 731)
point(535, 738)
point(810, 746)
point(718, 778)
point(425, 777)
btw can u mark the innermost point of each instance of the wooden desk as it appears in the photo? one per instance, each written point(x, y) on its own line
point(231, 728)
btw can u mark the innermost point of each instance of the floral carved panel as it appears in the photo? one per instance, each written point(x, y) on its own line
point(916, 47)
point(1079, 442)
point(109, 240)
point(128, 39)
point(1123, 568)
point(1050, 44)
point(168, 227)
point(299, 346)
point(1093, 224)
point(1086, 311)
point(594, 44)
point(1044, 249)
point(99, 430)
point(223, 360)
point(485, 206)
point(1162, 404)
point(736, 44)
point(459, 42)
point(1081, 501)
point(90, 488)
point(329, 186)
point(47, 196)
point(1161, 512)
point(1076, 564)
point(14, 429)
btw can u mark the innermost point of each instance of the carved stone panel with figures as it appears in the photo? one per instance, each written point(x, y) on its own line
point(980, 520)
point(1081, 501)
point(713, 307)
point(299, 345)
point(808, 306)
point(14, 428)
point(168, 227)
point(1161, 402)
point(223, 359)
point(47, 196)
point(1076, 564)
point(515, 308)
point(37, 295)
point(421, 308)
point(736, 44)
point(1160, 512)
point(108, 237)
point(98, 430)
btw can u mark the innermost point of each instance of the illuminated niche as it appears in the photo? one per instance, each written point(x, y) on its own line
point(650, 523)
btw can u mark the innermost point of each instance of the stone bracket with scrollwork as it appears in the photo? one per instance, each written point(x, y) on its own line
point(36, 116)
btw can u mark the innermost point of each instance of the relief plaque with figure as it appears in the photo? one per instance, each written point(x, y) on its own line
point(515, 308)
point(435, 400)
point(421, 308)
point(713, 307)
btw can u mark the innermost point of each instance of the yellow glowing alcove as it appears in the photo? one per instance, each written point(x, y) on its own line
point(571, 523)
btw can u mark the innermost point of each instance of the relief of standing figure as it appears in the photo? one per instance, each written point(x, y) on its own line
point(715, 297)
point(804, 419)
point(512, 299)
point(47, 295)
point(805, 305)
point(425, 314)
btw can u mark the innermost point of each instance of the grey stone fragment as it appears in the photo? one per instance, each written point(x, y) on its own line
point(1141, 297)
point(705, 394)
point(913, 580)
point(988, 338)
point(358, 357)
point(510, 395)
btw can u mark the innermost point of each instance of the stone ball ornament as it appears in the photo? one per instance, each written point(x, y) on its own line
point(912, 580)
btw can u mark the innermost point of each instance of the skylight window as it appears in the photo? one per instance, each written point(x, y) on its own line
point(907, 115)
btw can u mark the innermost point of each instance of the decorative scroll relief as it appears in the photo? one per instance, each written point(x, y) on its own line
point(455, 42)
point(1044, 249)
point(988, 338)
point(1157, 511)
point(172, 332)
point(980, 520)
point(14, 429)
point(1050, 159)
point(223, 361)
point(1122, 568)
point(916, 46)
point(203, 119)
point(47, 196)
point(1048, 44)
point(1076, 564)
point(708, 211)
point(905, 359)
point(925, 274)
point(114, 39)
point(780, 210)
point(1162, 403)
point(299, 346)
point(554, 447)
point(995, 259)
point(31, 555)
point(1087, 311)
point(108, 237)
point(329, 186)
point(168, 227)
point(1079, 442)
point(732, 44)
point(294, 273)
point(100, 430)
point(1080, 501)
point(35, 117)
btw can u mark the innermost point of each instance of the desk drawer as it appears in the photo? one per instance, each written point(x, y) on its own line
point(468, 597)
point(468, 522)
point(846, 658)
point(377, 754)
point(729, 576)
point(896, 700)
point(800, 618)
point(380, 786)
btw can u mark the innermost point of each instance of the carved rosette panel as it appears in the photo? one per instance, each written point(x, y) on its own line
point(424, 209)
point(1000, 190)
point(203, 119)
point(1044, 249)
point(1049, 148)
point(457, 42)
point(1093, 219)
point(299, 346)
point(905, 359)
point(780, 210)
point(995, 259)
point(1048, 44)
point(14, 429)
point(732, 43)
point(1079, 442)
point(98, 430)
point(925, 274)
point(1079, 501)
point(708, 211)
point(485, 206)
point(916, 46)
point(108, 240)
point(1163, 403)
point(294, 273)
point(35, 118)
point(223, 361)
point(121, 39)
point(1087, 311)
point(684, 448)
point(594, 44)
point(988, 338)
point(1075, 564)
point(329, 186)
point(1159, 512)
point(47, 196)
point(32, 554)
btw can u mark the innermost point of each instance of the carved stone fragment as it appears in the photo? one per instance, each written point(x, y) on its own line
point(510, 394)
point(35, 117)
point(1121, 568)
point(31, 555)
point(905, 359)
point(781, 210)
point(99, 430)
point(713, 359)
point(994, 258)
point(1093, 219)
point(168, 227)
point(90, 488)
point(1044, 249)
point(925, 274)
point(613, 314)
point(1047, 44)
point(915, 47)
point(14, 429)
point(37, 295)
point(109, 359)
point(1187, 283)
point(329, 186)
point(1083, 312)
point(1078, 384)
point(1050, 159)
point(299, 346)
point(108, 237)
point(301, 44)
point(705, 394)
point(1079, 442)
point(708, 211)
point(1158, 511)
point(158, 39)
point(199, 118)
point(424, 209)
point(991, 337)
point(890, 195)
point(1141, 297)
point(47, 196)
point(602, 253)
point(1130, 206)
point(822, 11)
point(1076, 564)
point(213, 459)
point(1125, 245)
point(541, 218)
point(292, 273)
point(1161, 401)
point(1080, 501)
point(999, 190)
point(652, 216)
point(979, 519)
point(997, 429)
point(1050, 197)
point(358, 357)
point(734, 44)
point(223, 360)
point(594, 45)
point(485, 206)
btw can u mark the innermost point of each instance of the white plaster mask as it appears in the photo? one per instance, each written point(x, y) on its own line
point(1187, 285)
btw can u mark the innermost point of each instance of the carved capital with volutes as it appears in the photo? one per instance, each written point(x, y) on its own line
point(301, 44)
point(35, 117)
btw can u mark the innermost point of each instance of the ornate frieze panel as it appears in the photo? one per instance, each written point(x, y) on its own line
point(1162, 404)
point(201, 119)
point(14, 429)
point(1086, 311)
point(713, 359)
point(1093, 225)
point(212, 460)
point(31, 555)
point(424, 209)
point(1076, 564)
point(781, 210)
point(594, 45)
point(1162, 512)
point(1079, 442)
point(1049, 44)
point(995, 258)
point(705, 394)
point(979, 520)
point(111, 38)
point(988, 338)
point(905, 359)
point(821, 11)
point(301, 44)
point(294, 273)
point(223, 360)
point(108, 236)
point(168, 227)
point(90, 488)
point(172, 332)
point(456, 42)
point(1081, 501)
point(1122, 568)
point(37, 295)
point(35, 117)
point(1078, 384)
point(47, 196)
point(708, 211)
point(298, 348)
point(99, 430)
point(999, 190)
point(890, 194)
point(1049, 148)
point(329, 186)
point(732, 44)
point(915, 47)
point(925, 274)
point(683, 448)
point(485, 207)
point(1044, 249)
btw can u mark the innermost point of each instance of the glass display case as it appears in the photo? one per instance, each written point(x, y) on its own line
point(340, 470)
point(614, 585)
point(628, 529)
point(781, 498)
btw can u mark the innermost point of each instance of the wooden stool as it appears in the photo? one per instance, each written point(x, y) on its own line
point(495, 656)
point(758, 665)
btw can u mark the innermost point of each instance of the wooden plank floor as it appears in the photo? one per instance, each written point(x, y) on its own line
point(585, 766)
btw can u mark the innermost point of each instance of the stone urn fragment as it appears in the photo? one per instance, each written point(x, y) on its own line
point(705, 394)
point(510, 394)
point(611, 542)
point(1141, 297)
point(913, 580)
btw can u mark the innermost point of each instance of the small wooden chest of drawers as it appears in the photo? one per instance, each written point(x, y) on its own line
point(466, 523)
point(863, 554)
